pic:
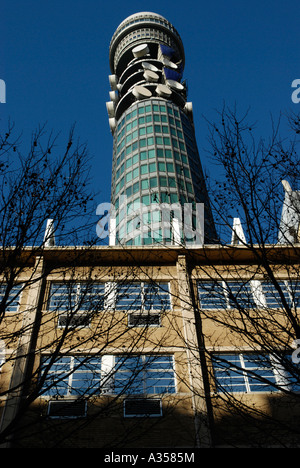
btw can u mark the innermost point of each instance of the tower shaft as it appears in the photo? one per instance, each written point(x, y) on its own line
point(158, 187)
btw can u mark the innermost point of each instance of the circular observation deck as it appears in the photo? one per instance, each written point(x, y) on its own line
point(140, 28)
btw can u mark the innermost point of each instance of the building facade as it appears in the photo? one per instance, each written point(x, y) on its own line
point(151, 347)
point(156, 165)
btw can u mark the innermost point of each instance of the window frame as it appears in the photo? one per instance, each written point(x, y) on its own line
point(142, 376)
point(71, 308)
point(110, 375)
point(65, 371)
point(163, 295)
point(257, 293)
point(277, 380)
point(13, 305)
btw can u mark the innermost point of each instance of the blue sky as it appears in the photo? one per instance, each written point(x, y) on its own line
point(54, 61)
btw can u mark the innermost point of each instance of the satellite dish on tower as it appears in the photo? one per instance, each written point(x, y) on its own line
point(168, 63)
point(110, 106)
point(113, 96)
point(188, 107)
point(151, 76)
point(113, 81)
point(149, 66)
point(140, 92)
point(112, 123)
point(163, 91)
point(175, 85)
point(140, 50)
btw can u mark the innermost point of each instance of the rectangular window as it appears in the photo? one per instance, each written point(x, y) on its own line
point(13, 299)
point(170, 167)
point(240, 295)
point(211, 295)
point(129, 296)
point(143, 296)
point(152, 167)
point(144, 374)
point(162, 166)
point(144, 184)
point(163, 181)
point(128, 177)
point(153, 182)
point(272, 295)
point(80, 296)
point(244, 373)
point(146, 199)
point(72, 376)
point(144, 169)
point(221, 295)
point(294, 290)
point(76, 303)
point(216, 295)
point(150, 141)
point(135, 173)
point(172, 181)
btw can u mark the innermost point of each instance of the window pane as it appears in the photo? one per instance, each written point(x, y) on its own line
point(156, 296)
point(244, 373)
point(128, 297)
point(13, 299)
point(72, 375)
point(228, 373)
point(212, 295)
point(240, 295)
point(144, 374)
point(272, 296)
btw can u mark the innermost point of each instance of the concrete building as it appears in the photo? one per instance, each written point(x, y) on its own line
point(143, 347)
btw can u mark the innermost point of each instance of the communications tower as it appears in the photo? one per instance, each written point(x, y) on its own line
point(158, 189)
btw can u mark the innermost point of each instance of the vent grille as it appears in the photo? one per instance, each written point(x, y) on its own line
point(142, 407)
point(67, 409)
point(143, 320)
point(79, 320)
